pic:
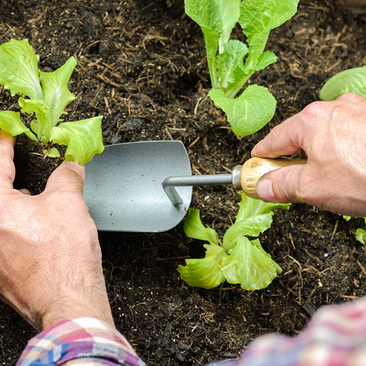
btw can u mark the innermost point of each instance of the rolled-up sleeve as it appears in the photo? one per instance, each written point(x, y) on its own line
point(82, 341)
point(336, 336)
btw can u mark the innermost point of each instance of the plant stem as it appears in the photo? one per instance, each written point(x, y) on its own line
point(234, 90)
point(211, 50)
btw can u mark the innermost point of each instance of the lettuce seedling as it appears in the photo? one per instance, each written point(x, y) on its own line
point(231, 62)
point(238, 260)
point(45, 95)
point(347, 81)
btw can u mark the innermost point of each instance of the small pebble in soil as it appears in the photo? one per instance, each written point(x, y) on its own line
point(134, 123)
point(106, 132)
point(114, 139)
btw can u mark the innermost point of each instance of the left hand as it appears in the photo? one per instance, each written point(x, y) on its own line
point(50, 258)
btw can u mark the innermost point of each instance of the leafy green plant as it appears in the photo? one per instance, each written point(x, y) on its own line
point(239, 259)
point(231, 62)
point(45, 95)
point(347, 81)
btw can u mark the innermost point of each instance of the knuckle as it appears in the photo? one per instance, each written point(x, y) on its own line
point(314, 109)
point(305, 181)
point(351, 98)
point(65, 197)
point(312, 114)
point(302, 191)
point(292, 187)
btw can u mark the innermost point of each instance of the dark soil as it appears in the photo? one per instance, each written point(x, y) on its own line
point(141, 64)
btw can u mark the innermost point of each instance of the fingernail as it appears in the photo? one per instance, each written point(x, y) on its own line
point(265, 190)
point(76, 168)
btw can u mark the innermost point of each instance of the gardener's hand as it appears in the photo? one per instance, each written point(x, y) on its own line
point(50, 258)
point(333, 137)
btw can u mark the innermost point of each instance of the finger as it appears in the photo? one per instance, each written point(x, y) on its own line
point(351, 98)
point(68, 176)
point(284, 139)
point(7, 167)
point(282, 185)
point(24, 191)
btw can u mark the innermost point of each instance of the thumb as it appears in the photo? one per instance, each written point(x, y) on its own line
point(280, 185)
point(68, 176)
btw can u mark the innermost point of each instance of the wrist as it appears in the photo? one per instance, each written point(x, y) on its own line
point(69, 307)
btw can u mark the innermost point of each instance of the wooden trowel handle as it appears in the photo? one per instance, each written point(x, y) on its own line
point(254, 168)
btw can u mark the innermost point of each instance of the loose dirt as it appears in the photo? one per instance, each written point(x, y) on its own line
point(141, 64)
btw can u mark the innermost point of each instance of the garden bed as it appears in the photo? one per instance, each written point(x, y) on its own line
point(141, 64)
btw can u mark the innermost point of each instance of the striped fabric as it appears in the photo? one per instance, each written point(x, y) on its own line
point(81, 341)
point(336, 336)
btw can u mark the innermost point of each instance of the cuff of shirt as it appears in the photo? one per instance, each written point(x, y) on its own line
point(83, 339)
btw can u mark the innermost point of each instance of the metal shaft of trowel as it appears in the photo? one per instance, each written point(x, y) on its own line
point(170, 183)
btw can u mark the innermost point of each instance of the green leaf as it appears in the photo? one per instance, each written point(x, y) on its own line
point(253, 218)
point(361, 235)
point(230, 65)
point(249, 112)
point(239, 260)
point(258, 18)
point(251, 226)
point(51, 153)
point(250, 207)
point(216, 19)
point(249, 265)
point(206, 13)
point(265, 59)
point(56, 91)
point(40, 108)
point(204, 272)
point(11, 123)
point(229, 13)
point(347, 81)
point(82, 138)
point(194, 228)
point(258, 244)
point(46, 95)
point(56, 97)
point(19, 69)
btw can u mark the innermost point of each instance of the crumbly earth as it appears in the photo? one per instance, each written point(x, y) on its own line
point(141, 64)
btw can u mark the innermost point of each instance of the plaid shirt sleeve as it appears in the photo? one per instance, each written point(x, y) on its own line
point(80, 341)
point(336, 336)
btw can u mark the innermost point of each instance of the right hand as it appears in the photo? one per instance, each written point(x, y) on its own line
point(333, 137)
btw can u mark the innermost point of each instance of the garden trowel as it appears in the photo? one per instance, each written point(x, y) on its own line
point(147, 186)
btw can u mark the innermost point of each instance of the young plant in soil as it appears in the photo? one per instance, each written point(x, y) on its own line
point(237, 259)
point(232, 62)
point(45, 95)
